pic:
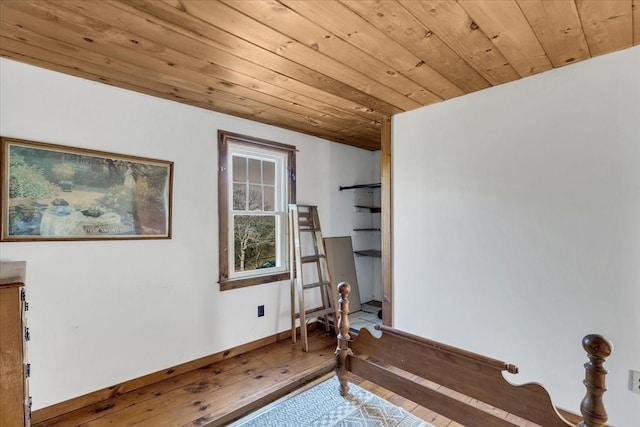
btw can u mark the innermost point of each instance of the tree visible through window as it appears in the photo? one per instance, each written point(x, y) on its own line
point(256, 183)
point(254, 218)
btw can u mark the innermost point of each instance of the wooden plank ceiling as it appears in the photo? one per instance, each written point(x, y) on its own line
point(327, 68)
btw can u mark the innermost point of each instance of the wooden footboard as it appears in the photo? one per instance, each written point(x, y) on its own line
point(445, 379)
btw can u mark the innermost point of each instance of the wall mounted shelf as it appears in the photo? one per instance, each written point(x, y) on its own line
point(350, 187)
point(367, 203)
point(372, 209)
point(375, 253)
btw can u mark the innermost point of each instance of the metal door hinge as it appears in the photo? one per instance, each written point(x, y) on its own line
point(27, 335)
point(27, 370)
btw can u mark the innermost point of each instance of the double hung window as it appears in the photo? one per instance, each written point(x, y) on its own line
point(256, 183)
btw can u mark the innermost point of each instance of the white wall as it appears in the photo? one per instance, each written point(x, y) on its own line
point(105, 312)
point(517, 224)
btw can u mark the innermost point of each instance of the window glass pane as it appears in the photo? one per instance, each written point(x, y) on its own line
point(255, 197)
point(254, 242)
point(254, 189)
point(269, 198)
point(268, 173)
point(255, 171)
point(239, 197)
point(239, 169)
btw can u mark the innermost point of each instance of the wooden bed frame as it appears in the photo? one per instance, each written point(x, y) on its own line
point(447, 380)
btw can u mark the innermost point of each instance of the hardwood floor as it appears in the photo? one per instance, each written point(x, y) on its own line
point(215, 394)
point(224, 391)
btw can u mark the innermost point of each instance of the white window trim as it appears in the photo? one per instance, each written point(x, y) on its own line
point(280, 208)
point(228, 141)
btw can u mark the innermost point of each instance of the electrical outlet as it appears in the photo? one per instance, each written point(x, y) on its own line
point(634, 381)
point(260, 310)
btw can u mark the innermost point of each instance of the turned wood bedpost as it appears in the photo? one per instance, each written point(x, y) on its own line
point(343, 337)
point(592, 408)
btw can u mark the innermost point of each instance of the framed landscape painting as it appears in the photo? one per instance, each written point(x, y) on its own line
point(54, 192)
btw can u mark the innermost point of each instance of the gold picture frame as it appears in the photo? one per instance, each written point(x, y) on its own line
point(56, 192)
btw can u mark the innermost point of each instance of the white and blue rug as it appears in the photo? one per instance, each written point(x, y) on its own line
point(323, 406)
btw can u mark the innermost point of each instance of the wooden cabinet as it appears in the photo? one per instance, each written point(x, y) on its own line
point(14, 400)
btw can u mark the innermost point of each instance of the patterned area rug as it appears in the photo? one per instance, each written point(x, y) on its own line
point(323, 406)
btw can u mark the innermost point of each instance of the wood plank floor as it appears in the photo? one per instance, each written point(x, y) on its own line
point(215, 394)
point(224, 391)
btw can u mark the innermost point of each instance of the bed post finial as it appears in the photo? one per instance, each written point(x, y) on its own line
point(343, 337)
point(598, 348)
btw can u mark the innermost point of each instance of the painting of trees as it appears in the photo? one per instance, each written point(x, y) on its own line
point(56, 192)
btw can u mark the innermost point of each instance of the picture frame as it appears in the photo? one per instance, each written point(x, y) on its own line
point(56, 192)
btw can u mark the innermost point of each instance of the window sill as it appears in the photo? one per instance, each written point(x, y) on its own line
point(227, 285)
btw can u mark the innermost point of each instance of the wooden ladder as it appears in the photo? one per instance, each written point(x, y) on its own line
point(304, 221)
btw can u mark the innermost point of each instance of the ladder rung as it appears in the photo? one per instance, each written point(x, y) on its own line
point(318, 311)
point(309, 229)
point(311, 258)
point(315, 284)
point(321, 311)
